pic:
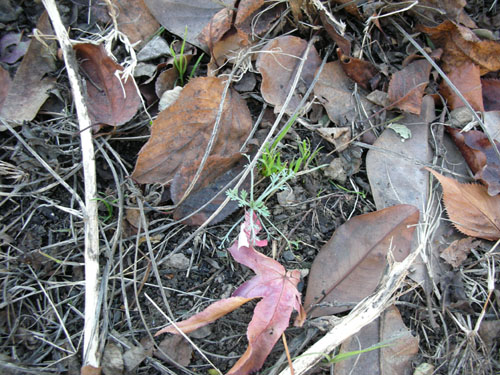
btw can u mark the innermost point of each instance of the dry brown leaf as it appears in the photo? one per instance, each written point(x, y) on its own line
point(135, 21)
point(343, 43)
point(110, 100)
point(467, 80)
point(5, 83)
point(29, 89)
point(278, 63)
point(436, 11)
point(407, 87)
point(334, 90)
point(220, 24)
point(360, 71)
point(180, 134)
point(393, 359)
point(350, 7)
point(339, 137)
point(491, 94)
point(457, 252)
point(177, 348)
point(461, 45)
point(349, 267)
point(471, 209)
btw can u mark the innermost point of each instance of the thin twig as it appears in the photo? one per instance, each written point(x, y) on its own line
point(91, 355)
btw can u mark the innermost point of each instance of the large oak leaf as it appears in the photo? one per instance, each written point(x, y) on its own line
point(181, 132)
point(349, 267)
point(277, 288)
point(471, 209)
point(111, 99)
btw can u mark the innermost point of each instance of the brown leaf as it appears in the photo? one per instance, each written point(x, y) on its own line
point(360, 71)
point(278, 63)
point(227, 48)
point(5, 83)
point(350, 7)
point(461, 45)
point(217, 173)
point(254, 18)
point(407, 87)
point(480, 155)
point(343, 43)
point(470, 208)
point(135, 21)
point(467, 80)
point(215, 29)
point(393, 359)
point(32, 82)
point(112, 359)
point(180, 134)
point(90, 370)
point(334, 90)
point(491, 94)
point(178, 15)
point(349, 267)
point(110, 100)
point(457, 252)
point(435, 10)
point(177, 348)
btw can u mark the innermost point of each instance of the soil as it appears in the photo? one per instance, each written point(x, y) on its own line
point(41, 266)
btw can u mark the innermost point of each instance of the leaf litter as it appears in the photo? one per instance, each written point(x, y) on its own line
point(167, 164)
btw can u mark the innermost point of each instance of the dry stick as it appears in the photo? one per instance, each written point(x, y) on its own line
point(363, 314)
point(90, 330)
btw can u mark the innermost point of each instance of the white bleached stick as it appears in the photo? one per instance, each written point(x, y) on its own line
point(91, 324)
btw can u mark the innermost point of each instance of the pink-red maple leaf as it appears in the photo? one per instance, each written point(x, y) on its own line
point(276, 286)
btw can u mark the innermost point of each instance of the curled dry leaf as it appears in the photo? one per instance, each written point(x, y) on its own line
point(457, 252)
point(407, 87)
point(470, 208)
point(360, 71)
point(467, 80)
point(218, 172)
point(277, 288)
point(349, 267)
point(343, 43)
point(181, 133)
point(480, 155)
point(491, 94)
point(460, 45)
point(110, 99)
point(278, 63)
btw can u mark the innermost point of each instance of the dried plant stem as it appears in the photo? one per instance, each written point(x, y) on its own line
point(90, 330)
point(363, 314)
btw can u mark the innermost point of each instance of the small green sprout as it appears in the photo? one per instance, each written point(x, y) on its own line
point(109, 207)
point(180, 60)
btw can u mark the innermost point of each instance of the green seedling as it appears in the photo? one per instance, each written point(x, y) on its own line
point(360, 193)
point(180, 60)
point(109, 208)
point(305, 156)
point(270, 162)
point(329, 360)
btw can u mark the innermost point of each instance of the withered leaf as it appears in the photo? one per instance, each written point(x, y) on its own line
point(181, 133)
point(461, 45)
point(277, 288)
point(29, 89)
point(110, 99)
point(457, 252)
point(360, 71)
point(470, 208)
point(435, 10)
point(217, 173)
point(491, 94)
point(278, 63)
point(5, 83)
point(215, 29)
point(467, 80)
point(343, 43)
point(349, 267)
point(407, 87)
point(480, 155)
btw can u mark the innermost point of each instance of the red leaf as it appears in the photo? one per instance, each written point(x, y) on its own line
point(360, 71)
point(480, 156)
point(111, 100)
point(467, 80)
point(277, 288)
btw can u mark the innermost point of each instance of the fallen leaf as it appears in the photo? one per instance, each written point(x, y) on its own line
point(90, 370)
point(13, 46)
point(169, 97)
point(178, 15)
point(133, 357)
point(254, 18)
point(467, 80)
point(395, 179)
point(217, 173)
point(177, 348)
point(457, 252)
point(180, 134)
point(349, 267)
point(334, 90)
point(214, 30)
point(480, 156)
point(435, 10)
point(112, 360)
point(29, 89)
point(153, 49)
point(407, 86)
point(460, 45)
point(278, 62)
point(492, 124)
point(360, 71)
point(227, 49)
point(489, 332)
point(470, 208)
point(343, 43)
point(111, 100)
point(135, 21)
point(166, 81)
point(491, 94)
point(394, 358)
point(277, 288)
point(5, 83)
point(339, 137)
point(349, 7)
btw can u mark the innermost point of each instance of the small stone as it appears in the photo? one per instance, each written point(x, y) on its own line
point(286, 197)
point(288, 256)
point(201, 333)
point(178, 261)
point(143, 69)
point(335, 171)
point(155, 48)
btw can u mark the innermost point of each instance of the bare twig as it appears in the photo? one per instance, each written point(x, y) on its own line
point(90, 331)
